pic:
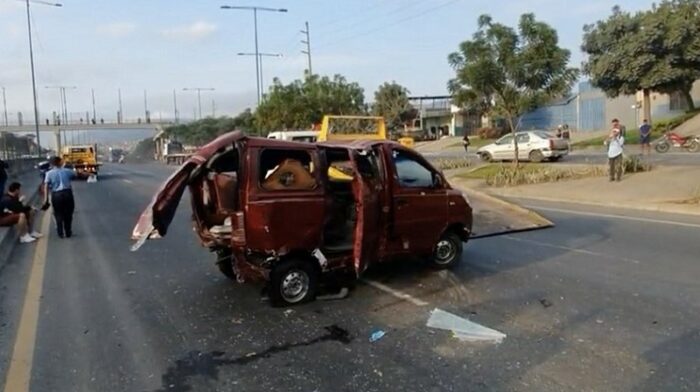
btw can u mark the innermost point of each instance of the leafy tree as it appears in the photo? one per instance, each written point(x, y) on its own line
point(300, 104)
point(391, 102)
point(202, 131)
point(507, 72)
point(656, 50)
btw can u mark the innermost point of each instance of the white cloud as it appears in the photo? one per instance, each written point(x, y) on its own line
point(194, 31)
point(117, 29)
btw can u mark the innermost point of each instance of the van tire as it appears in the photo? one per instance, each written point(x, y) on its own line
point(447, 252)
point(292, 282)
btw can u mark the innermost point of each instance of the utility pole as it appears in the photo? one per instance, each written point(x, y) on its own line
point(175, 105)
point(120, 114)
point(94, 113)
point(308, 46)
point(4, 105)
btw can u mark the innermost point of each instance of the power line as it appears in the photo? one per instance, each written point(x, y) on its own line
point(386, 26)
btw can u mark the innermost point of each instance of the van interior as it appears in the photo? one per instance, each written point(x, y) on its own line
point(218, 198)
point(338, 233)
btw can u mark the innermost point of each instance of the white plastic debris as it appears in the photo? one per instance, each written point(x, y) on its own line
point(463, 329)
point(92, 179)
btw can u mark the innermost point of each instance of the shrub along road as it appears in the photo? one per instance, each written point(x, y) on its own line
point(600, 302)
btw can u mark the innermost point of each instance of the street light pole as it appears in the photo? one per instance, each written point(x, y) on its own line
point(199, 96)
point(258, 70)
point(260, 56)
point(31, 63)
point(4, 105)
point(94, 113)
point(175, 105)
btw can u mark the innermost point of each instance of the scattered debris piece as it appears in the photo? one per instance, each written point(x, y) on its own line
point(546, 303)
point(599, 321)
point(92, 179)
point(251, 354)
point(288, 312)
point(340, 295)
point(132, 272)
point(376, 335)
point(463, 329)
point(378, 373)
point(237, 321)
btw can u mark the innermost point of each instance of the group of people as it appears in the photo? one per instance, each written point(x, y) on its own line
point(57, 191)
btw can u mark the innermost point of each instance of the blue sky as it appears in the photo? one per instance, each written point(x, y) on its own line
point(161, 45)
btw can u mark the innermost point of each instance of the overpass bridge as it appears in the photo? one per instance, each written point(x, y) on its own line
point(155, 126)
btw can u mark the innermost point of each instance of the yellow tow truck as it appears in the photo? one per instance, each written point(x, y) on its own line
point(348, 128)
point(82, 159)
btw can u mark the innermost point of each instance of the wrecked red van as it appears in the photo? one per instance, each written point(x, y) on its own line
point(289, 213)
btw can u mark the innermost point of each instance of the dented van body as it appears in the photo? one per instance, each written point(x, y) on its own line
point(288, 213)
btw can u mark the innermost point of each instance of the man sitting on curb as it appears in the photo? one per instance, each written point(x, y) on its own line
point(14, 212)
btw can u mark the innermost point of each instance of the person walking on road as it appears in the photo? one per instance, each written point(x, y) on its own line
point(466, 142)
point(57, 184)
point(645, 136)
point(615, 143)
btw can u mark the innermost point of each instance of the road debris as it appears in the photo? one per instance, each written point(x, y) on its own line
point(376, 335)
point(463, 329)
point(288, 312)
point(546, 303)
point(339, 295)
point(131, 272)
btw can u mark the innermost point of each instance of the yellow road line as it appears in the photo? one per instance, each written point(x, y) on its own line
point(19, 374)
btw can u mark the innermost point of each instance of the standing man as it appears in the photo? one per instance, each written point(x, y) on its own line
point(58, 185)
point(3, 176)
point(615, 142)
point(645, 136)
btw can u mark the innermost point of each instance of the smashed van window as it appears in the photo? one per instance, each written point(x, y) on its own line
point(286, 170)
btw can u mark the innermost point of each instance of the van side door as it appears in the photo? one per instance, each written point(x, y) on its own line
point(285, 204)
point(419, 203)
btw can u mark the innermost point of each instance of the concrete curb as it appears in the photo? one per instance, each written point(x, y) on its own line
point(653, 207)
point(541, 221)
point(9, 237)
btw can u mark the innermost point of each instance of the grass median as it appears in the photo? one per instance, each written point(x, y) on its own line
point(505, 174)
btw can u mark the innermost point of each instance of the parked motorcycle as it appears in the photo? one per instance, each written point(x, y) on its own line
point(672, 139)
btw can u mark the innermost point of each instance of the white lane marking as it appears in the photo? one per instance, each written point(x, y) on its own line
point(614, 216)
point(396, 293)
point(127, 181)
point(20, 371)
point(570, 249)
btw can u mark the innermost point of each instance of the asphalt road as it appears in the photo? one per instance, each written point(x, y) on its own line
point(593, 156)
point(606, 300)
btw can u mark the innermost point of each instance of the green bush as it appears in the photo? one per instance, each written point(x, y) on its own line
point(507, 175)
point(451, 163)
point(489, 133)
point(635, 164)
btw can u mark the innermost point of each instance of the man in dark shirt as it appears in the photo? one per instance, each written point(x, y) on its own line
point(645, 136)
point(14, 212)
point(3, 175)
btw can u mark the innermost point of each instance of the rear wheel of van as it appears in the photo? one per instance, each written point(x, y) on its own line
point(292, 282)
point(447, 252)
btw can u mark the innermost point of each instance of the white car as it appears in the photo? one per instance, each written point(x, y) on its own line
point(534, 146)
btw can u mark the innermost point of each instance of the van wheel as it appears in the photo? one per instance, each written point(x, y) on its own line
point(292, 282)
point(447, 252)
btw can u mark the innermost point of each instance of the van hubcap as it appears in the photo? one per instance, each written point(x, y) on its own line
point(444, 252)
point(295, 286)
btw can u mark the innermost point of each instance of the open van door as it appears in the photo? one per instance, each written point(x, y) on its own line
point(155, 219)
point(367, 188)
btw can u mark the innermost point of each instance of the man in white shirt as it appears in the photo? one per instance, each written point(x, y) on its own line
point(615, 143)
